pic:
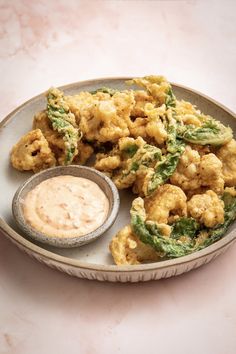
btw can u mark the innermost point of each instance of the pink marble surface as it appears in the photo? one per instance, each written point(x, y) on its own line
point(45, 43)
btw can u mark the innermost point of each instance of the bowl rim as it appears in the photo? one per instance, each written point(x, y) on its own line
point(30, 247)
point(65, 242)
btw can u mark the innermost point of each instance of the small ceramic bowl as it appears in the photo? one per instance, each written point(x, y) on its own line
point(101, 180)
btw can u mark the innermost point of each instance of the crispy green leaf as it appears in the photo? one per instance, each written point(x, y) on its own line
point(185, 227)
point(210, 133)
point(170, 98)
point(62, 121)
point(171, 247)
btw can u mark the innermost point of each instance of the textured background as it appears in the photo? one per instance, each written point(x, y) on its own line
point(50, 42)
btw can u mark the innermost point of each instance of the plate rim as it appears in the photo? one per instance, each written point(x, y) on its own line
point(15, 237)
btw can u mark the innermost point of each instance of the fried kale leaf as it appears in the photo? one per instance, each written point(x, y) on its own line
point(172, 247)
point(211, 132)
point(63, 121)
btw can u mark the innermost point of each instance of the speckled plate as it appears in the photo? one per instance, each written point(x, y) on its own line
point(93, 261)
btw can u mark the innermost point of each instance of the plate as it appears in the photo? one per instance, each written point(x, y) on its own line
point(93, 261)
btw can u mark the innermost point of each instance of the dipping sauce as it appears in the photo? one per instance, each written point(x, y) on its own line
point(66, 206)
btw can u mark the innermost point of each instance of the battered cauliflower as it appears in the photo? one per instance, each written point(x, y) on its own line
point(143, 177)
point(167, 204)
point(107, 163)
point(188, 114)
point(82, 103)
point(207, 208)
point(156, 86)
point(32, 152)
point(127, 249)
point(137, 157)
point(211, 175)
point(151, 125)
point(227, 155)
point(155, 127)
point(141, 98)
point(195, 171)
point(202, 149)
point(104, 119)
point(137, 128)
point(130, 159)
point(186, 174)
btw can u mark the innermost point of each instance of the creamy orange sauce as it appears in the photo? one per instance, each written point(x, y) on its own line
point(66, 206)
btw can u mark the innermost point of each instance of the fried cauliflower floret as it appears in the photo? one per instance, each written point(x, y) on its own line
point(186, 174)
point(122, 182)
point(127, 249)
point(143, 177)
point(155, 127)
point(156, 86)
point(227, 155)
point(211, 175)
point(32, 152)
point(108, 120)
point(194, 171)
point(80, 104)
point(136, 155)
point(107, 163)
point(102, 117)
point(138, 128)
point(141, 98)
point(201, 149)
point(166, 202)
point(187, 113)
point(152, 125)
point(207, 208)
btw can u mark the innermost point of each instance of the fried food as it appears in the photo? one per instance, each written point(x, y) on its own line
point(63, 121)
point(32, 152)
point(152, 127)
point(157, 87)
point(140, 98)
point(155, 127)
point(57, 142)
point(166, 203)
point(102, 117)
point(227, 155)
point(211, 175)
point(127, 249)
point(187, 234)
point(186, 175)
point(107, 163)
point(188, 114)
point(207, 208)
point(85, 151)
point(54, 138)
point(179, 161)
point(194, 171)
point(128, 160)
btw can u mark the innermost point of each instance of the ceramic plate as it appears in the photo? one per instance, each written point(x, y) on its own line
point(93, 261)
